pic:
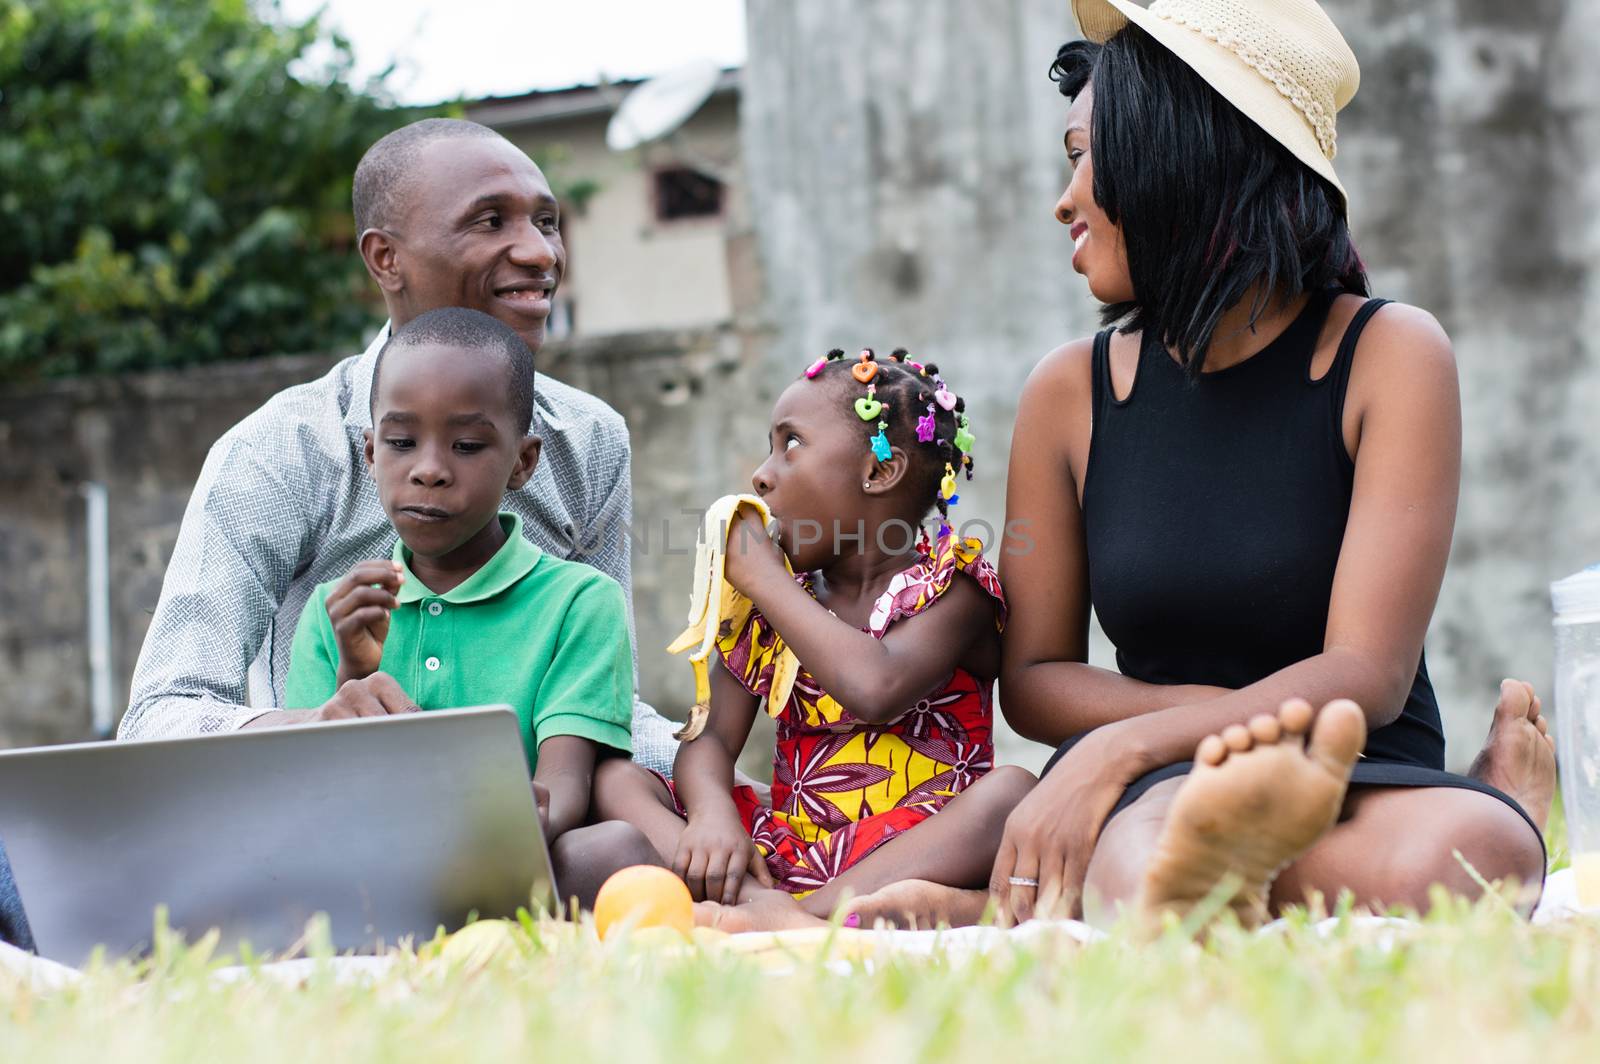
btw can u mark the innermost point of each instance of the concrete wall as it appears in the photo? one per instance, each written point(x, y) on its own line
point(146, 436)
point(904, 155)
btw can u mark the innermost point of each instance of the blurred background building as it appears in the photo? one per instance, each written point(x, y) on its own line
point(883, 173)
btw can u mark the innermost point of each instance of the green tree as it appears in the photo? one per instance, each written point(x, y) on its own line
point(175, 185)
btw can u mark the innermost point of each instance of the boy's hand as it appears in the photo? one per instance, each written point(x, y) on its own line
point(714, 855)
point(541, 800)
point(359, 608)
point(378, 695)
point(752, 554)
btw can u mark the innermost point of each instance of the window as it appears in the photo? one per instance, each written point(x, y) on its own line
point(682, 192)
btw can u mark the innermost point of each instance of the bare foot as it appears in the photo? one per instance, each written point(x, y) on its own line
point(764, 910)
point(1257, 798)
point(1519, 757)
point(917, 903)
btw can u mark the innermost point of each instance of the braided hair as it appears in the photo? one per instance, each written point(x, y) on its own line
point(906, 390)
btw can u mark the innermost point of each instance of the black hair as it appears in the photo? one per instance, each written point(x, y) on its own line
point(476, 331)
point(906, 392)
point(1210, 205)
point(390, 163)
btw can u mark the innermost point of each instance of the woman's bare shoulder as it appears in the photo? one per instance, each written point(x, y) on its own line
point(1064, 373)
point(1402, 348)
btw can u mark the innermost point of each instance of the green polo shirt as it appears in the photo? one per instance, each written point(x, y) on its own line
point(547, 637)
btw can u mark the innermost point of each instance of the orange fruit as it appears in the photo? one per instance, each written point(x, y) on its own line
point(643, 896)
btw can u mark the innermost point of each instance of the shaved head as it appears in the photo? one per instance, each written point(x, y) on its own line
point(385, 170)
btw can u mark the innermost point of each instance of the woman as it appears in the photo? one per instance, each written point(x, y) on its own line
point(1253, 479)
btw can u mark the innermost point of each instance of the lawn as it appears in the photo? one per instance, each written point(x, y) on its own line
point(1468, 983)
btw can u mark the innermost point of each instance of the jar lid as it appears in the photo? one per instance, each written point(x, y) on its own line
point(1578, 593)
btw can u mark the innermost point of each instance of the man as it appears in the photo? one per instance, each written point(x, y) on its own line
point(448, 213)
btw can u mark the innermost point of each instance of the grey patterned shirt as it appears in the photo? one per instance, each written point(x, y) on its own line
point(284, 503)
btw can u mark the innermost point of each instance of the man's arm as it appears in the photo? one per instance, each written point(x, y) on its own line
point(608, 547)
point(241, 541)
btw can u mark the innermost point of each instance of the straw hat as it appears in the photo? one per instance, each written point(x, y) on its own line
point(1280, 62)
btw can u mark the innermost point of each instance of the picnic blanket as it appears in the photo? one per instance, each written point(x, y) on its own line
point(842, 947)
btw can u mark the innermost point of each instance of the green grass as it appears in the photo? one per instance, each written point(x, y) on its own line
point(1469, 983)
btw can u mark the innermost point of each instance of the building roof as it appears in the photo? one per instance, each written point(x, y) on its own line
point(551, 105)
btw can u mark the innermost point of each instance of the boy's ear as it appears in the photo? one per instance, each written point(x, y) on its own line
point(877, 477)
point(366, 449)
point(381, 254)
point(527, 462)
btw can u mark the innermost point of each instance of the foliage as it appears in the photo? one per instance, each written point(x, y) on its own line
point(175, 185)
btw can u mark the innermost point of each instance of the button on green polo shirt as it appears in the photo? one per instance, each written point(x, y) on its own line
point(547, 637)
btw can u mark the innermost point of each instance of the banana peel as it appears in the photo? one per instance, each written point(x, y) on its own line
point(716, 606)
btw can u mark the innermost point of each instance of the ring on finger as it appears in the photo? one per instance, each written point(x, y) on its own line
point(1022, 881)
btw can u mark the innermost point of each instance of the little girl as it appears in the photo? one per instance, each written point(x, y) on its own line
point(889, 719)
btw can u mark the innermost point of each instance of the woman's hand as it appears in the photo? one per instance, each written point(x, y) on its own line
point(714, 855)
point(1051, 834)
point(752, 555)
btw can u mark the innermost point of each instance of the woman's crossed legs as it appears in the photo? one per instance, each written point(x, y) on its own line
point(1266, 808)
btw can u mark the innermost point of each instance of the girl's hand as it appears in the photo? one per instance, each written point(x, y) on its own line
point(714, 855)
point(752, 554)
point(358, 606)
point(1051, 834)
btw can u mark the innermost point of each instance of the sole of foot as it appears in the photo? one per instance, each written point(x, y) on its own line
point(1519, 757)
point(918, 905)
point(1257, 798)
point(766, 910)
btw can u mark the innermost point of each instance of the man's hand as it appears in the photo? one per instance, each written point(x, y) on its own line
point(379, 695)
point(359, 608)
point(714, 855)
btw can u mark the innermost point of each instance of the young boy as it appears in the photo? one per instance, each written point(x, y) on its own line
point(468, 611)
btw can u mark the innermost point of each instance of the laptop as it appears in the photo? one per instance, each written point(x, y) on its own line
point(392, 826)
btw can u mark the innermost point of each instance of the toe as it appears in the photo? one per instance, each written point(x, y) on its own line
point(1339, 735)
point(1264, 728)
point(1542, 725)
point(1212, 750)
point(1295, 716)
point(1516, 699)
point(1237, 736)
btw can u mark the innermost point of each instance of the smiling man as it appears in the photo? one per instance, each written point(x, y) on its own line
point(449, 213)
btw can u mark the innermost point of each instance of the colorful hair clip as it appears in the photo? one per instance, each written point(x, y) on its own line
point(947, 486)
point(867, 407)
point(964, 439)
point(925, 426)
point(865, 369)
point(880, 443)
point(816, 367)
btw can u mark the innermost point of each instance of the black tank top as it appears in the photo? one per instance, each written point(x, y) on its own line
point(1214, 512)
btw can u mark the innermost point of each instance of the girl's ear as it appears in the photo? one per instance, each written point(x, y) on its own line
point(366, 449)
point(881, 477)
point(527, 461)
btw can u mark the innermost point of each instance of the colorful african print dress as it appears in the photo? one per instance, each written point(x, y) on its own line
point(840, 787)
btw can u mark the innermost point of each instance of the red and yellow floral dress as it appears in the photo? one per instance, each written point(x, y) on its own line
point(841, 787)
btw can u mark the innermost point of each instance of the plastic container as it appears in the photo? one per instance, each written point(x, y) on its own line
point(1577, 629)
